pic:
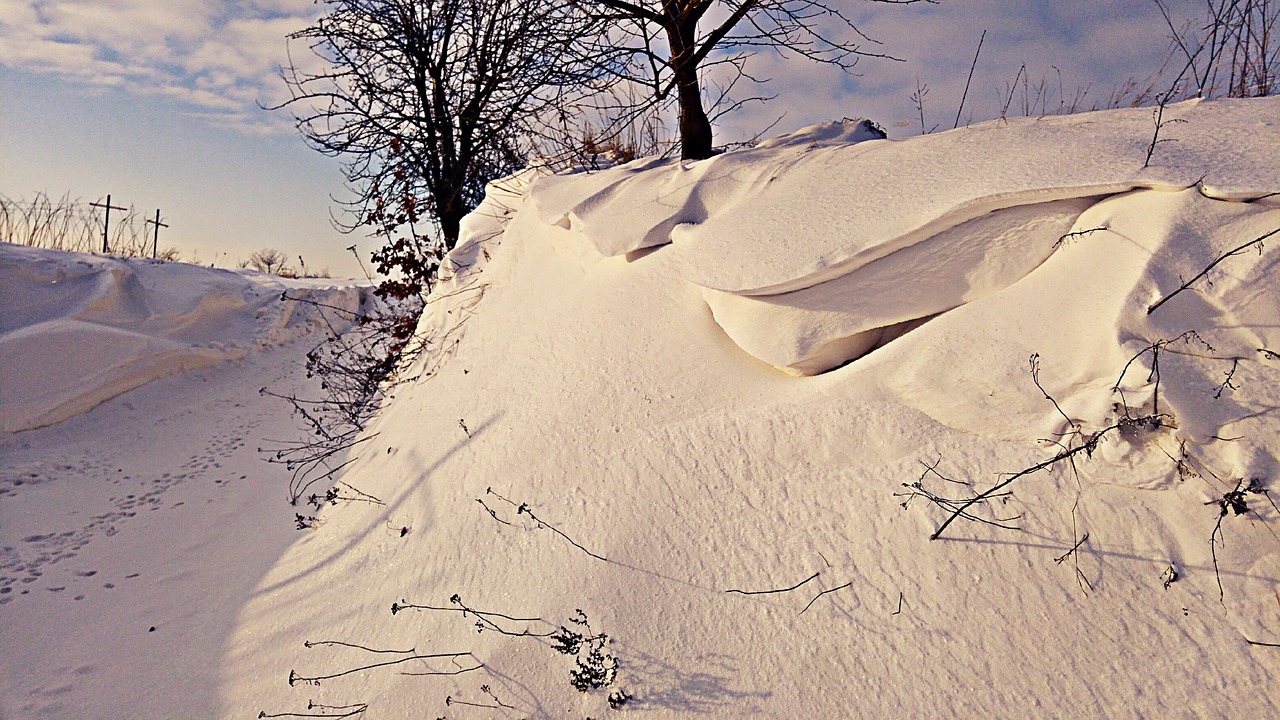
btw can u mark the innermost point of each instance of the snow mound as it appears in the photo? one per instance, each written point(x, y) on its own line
point(610, 437)
point(80, 329)
point(808, 286)
point(639, 435)
point(884, 196)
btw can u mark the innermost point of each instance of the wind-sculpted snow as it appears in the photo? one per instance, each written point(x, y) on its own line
point(738, 229)
point(882, 197)
point(640, 204)
point(822, 245)
point(80, 329)
point(820, 327)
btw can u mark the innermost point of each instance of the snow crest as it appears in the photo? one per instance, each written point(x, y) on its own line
point(815, 248)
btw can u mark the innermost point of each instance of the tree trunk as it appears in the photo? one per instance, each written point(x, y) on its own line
point(450, 225)
point(695, 126)
point(682, 36)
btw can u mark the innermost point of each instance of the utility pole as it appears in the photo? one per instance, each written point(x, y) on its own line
point(106, 224)
point(155, 239)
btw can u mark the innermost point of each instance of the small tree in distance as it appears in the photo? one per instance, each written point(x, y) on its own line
point(269, 260)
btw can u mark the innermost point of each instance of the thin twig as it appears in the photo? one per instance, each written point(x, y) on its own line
point(965, 94)
point(484, 617)
point(1231, 501)
point(479, 665)
point(1080, 233)
point(1235, 362)
point(779, 590)
point(313, 643)
point(493, 514)
point(1035, 378)
point(824, 592)
point(1088, 446)
point(357, 709)
point(1063, 557)
point(524, 509)
point(294, 677)
point(1230, 253)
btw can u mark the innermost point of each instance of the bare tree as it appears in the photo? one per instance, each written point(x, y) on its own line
point(268, 260)
point(669, 45)
point(427, 100)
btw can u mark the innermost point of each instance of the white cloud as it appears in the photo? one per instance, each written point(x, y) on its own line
point(216, 57)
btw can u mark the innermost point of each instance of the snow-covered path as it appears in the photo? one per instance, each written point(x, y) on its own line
point(154, 510)
point(132, 534)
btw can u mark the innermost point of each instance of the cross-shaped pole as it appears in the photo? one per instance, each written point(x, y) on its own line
point(106, 224)
point(155, 239)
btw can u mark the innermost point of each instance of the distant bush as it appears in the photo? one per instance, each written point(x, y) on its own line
point(269, 260)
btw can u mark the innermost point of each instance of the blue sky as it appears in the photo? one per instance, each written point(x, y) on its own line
point(157, 101)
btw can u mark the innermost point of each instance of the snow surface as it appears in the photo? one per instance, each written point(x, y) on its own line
point(663, 363)
point(78, 330)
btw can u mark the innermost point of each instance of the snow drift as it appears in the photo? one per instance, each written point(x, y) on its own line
point(807, 286)
point(613, 416)
point(78, 329)
point(719, 408)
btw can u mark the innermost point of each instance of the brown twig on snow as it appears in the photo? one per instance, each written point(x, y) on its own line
point(1154, 348)
point(1034, 362)
point(1073, 554)
point(294, 677)
point(313, 643)
point(1079, 233)
point(917, 489)
point(1089, 444)
point(824, 592)
point(484, 618)
point(1230, 253)
point(1235, 502)
point(346, 711)
point(778, 590)
point(1235, 362)
point(450, 700)
point(524, 509)
point(493, 514)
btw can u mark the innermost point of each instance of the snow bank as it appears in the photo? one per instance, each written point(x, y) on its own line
point(788, 278)
point(609, 418)
point(80, 329)
point(720, 408)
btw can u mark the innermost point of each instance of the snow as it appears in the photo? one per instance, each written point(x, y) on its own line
point(822, 326)
point(78, 330)
point(704, 377)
